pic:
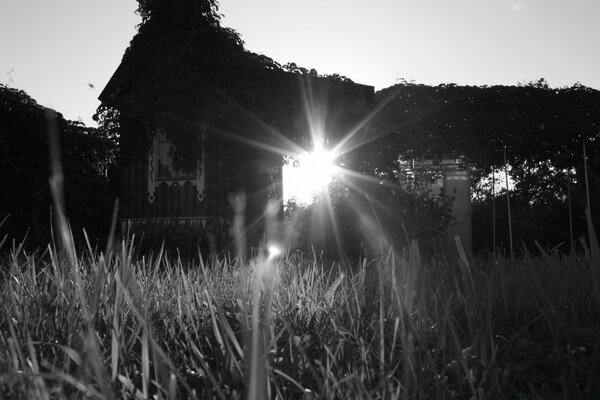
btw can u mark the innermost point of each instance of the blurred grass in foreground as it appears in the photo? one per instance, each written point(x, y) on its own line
point(109, 326)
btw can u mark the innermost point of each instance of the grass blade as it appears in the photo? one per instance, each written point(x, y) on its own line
point(594, 257)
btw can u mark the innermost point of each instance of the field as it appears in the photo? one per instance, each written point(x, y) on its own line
point(117, 325)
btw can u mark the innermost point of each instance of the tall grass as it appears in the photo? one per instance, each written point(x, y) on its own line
point(110, 326)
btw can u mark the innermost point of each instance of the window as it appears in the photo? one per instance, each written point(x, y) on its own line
point(161, 168)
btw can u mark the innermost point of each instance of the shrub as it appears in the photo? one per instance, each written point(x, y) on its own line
point(87, 159)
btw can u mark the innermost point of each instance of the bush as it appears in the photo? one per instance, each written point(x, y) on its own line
point(366, 224)
point(87, 162)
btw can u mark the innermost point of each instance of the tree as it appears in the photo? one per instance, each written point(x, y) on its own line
point(542, 129)
point(24, 171)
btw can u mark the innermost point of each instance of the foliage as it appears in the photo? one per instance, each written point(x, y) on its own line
point(364, 219)
point(547, 225)
point(542, 129)
point(87, 158)
point(536, 124)
point(195, 10)
point(108, 120)
point(112, 325)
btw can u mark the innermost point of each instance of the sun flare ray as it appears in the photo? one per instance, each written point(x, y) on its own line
point(343, 147)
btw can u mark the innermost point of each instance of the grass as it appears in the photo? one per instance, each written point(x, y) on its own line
point(107, 325)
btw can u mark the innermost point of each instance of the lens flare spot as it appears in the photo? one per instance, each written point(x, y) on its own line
point(274, 251)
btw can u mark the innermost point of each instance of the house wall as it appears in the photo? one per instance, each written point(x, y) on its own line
point(228, 168)
point(133, 181)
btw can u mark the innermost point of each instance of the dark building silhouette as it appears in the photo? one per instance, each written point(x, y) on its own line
point(204, 120)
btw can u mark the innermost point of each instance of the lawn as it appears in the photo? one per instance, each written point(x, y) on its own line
point(121, 325)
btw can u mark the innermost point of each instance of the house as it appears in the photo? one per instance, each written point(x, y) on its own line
point(205, 119)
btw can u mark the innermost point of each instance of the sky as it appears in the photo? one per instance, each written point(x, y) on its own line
point(63, 52)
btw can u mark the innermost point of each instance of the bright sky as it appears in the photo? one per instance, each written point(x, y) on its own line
point(54, 49)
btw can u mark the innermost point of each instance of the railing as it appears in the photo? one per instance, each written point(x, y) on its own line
point(206, 222)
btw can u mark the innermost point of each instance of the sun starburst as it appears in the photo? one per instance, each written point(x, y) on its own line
point(310, 174)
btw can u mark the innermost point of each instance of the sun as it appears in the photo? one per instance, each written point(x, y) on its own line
point(308, 175)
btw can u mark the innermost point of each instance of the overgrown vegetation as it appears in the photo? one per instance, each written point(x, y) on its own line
point(88, 157)
point(399, 326)
point(542, 128)
point(365, 221)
